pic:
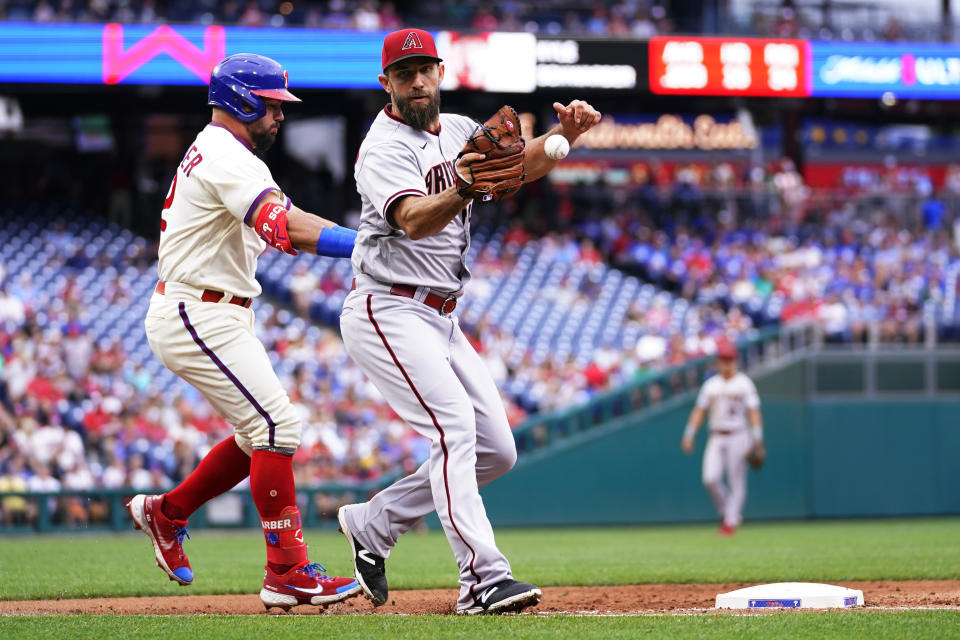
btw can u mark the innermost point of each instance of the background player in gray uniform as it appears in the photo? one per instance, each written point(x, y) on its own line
point(398, 324)
point(222, 209)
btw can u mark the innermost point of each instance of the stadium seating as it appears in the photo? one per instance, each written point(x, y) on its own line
point(555, 323)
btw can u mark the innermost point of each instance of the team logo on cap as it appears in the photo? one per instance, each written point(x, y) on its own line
point(286, 80)
point(412, 42)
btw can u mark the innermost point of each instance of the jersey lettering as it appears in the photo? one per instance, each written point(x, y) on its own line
point(440, 177)
point(734, 405)
point(191, 160)
point(204, 239)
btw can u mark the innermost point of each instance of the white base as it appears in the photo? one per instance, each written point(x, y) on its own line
point(794, 595)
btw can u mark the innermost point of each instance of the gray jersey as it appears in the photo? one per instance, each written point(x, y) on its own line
point(396, 160)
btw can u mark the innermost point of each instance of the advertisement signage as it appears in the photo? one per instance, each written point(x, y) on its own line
point(488, 61)
point(108, 54)
point(728, 66)
point(670, 132)
point(185, 55)
point(868, 70)
point(181, 55)
point(592, 64)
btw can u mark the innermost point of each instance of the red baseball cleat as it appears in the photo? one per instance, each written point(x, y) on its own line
point(726, 530)
point(166, 535)
point(307, 583)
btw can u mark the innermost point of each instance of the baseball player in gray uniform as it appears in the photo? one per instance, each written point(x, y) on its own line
point(399, 325)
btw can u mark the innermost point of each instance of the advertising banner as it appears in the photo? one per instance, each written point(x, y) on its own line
point(592, 64)
point(112, 54)
point(673, 132)
point(489, 61)
point(181, 55)
point(728, 66)
point(871, 69)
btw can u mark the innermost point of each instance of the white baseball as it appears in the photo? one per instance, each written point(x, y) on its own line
point(556, 147)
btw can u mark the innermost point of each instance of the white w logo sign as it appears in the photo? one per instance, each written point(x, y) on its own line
point(412, 42)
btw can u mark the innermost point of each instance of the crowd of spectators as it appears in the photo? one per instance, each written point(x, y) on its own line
point(824, 22)
point(625, 18)
point(634, 18)
point(77, 412)
point(80, 411)
point(873, 258)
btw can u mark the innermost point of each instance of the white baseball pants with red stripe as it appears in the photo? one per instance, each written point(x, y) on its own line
point(432, 377)
point(727, 454)
point(213, 346)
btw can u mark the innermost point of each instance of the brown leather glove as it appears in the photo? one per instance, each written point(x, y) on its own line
point(500, 173)
point(757, 455)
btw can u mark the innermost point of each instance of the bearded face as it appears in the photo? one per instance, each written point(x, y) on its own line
point(414, 88)
point(419, 109)
point(263, 133)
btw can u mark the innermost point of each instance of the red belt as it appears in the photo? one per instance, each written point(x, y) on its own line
point(722, 432)
point(209, 295)
point(441, 304)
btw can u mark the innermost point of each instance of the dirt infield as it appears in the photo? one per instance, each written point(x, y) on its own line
point(644, 598)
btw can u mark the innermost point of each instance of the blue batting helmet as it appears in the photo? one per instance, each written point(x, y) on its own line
point(239, 82)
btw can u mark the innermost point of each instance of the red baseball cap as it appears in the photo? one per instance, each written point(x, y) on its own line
point(408, 43)
point(725, 349)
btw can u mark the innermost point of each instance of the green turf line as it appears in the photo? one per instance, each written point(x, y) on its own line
point(95, 565)
point(802, 626)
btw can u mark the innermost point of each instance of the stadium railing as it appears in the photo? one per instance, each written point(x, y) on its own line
point(105, 509)
point(649, 390)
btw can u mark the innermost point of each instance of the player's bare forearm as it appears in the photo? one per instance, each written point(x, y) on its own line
point(305, 228)
point(690, 431)
point(575, 119)
point(536, 163)
point(696, 417)
point(423, 216)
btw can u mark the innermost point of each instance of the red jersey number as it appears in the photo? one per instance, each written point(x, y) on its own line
point(169, 201)
point(190, 160)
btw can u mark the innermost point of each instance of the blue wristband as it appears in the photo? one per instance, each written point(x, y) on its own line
point(336, 242)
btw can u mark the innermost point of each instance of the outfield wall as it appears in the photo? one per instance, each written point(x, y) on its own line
point(826, 458)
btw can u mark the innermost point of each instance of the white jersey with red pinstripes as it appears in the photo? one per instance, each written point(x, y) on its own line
point(204, 241)
point(396, 160)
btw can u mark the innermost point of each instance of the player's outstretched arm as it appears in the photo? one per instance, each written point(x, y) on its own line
point(313, 234)
point(423, 216)
point(693, 424)
point(756, 423)
point(576, 118)
point(296, 230)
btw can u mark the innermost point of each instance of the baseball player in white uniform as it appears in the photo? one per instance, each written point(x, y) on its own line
point(735, 428)
point(399, 325)
point(222, 210)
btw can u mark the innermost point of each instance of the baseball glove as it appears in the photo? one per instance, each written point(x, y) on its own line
point(500, 174)
point(757, 455)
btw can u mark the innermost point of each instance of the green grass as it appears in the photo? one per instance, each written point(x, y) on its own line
point(94, 565)
point(813, 626)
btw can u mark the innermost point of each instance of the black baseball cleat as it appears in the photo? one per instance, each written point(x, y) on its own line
point(508, 596)
point(369, 568)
